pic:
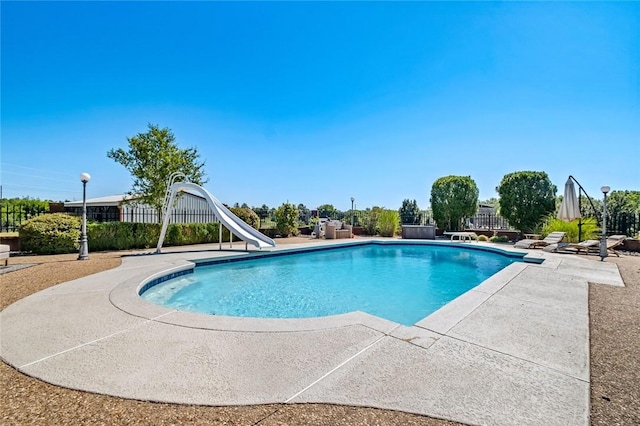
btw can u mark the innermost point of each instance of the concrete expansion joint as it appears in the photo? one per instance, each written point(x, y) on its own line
point(528, 361)
point(82, 345)
point(336, 368)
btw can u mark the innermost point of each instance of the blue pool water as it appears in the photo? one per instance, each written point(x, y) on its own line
point(402, 283)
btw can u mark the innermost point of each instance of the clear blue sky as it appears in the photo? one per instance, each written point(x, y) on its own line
point(316, 102)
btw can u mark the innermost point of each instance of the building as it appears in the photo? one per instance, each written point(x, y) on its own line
point(190, 208)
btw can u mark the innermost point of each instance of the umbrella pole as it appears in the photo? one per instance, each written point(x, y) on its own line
point(580, 209)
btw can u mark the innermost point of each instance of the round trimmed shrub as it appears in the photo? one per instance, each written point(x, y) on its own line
point(53, 233)
point(250, 217)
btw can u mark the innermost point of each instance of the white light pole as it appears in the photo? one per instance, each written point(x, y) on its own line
point(603, 240)
point(352, 200)
point(84, 247)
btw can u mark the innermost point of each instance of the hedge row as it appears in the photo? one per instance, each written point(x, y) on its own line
point(59, 233)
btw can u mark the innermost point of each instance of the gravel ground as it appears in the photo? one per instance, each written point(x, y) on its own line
point(615, 374)
point(615, 347)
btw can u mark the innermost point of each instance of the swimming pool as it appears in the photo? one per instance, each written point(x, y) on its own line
point(399, 282)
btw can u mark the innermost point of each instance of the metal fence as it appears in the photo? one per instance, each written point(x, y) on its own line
point(624, 224)
point(12, 216)
point(488, 221)
point(479, 221)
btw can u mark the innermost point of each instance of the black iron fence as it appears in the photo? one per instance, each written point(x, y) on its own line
point(624, 224)
point(11, 216)
point(144, 215)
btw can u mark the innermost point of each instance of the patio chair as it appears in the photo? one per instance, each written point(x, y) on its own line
point(592, 246)
point(552, 238)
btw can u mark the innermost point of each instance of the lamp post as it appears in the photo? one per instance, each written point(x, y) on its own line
point(352, 200)
point(84, 247)
point(603, 240)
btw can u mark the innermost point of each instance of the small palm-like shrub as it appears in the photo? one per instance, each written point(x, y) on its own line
point(50, 234)
point(388, 223)
point(590, 228)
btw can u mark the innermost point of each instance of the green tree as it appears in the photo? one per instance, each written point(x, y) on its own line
point(14, 210)
point(262, 212)
point(287, 220)
point(388, 223)
point(409, 212)
point(623, 202)
point(304, 212)
point(151, 158)
point(526, 198)
point(453, 198)
point(327, 210)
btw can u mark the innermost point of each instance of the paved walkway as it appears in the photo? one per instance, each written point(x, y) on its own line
point(514, 350)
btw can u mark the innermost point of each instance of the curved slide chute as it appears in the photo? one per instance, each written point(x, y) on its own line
point(233, 223)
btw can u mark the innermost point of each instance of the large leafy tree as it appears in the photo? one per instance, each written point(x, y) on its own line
point(151, 158)
point(304, 213)
point(623, 202)
point(526, 198)
point(453, 198)
point(262, 212)
point(327, 210)
point(409, 212)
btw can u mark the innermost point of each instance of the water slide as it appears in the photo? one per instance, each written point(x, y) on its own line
point(237, 226)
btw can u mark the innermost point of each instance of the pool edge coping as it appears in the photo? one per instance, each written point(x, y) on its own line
point(126, 296)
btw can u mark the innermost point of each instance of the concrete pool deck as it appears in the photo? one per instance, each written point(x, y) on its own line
point(512, 351)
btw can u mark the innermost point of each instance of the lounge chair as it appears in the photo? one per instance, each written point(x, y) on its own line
point(552, 238)
point(589, 246)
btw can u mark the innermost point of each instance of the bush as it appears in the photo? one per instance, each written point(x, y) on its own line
point(125, 236)
point(482, 238)
point(59, 233)
point(526, 198)
point(51, 234)
point(499, 239)
point(287, 220)
point(388, 223)
point(370, 220)
point(453, 198)
point(122, 235)
point(590, 228)
point(250, 217)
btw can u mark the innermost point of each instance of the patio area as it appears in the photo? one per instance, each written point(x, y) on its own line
point(514, 350)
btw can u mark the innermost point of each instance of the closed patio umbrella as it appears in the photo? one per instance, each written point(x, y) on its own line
point(569, 209)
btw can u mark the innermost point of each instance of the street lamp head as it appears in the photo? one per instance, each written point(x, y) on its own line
point(352, 199)
point(85, 177)
point(605, 189)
